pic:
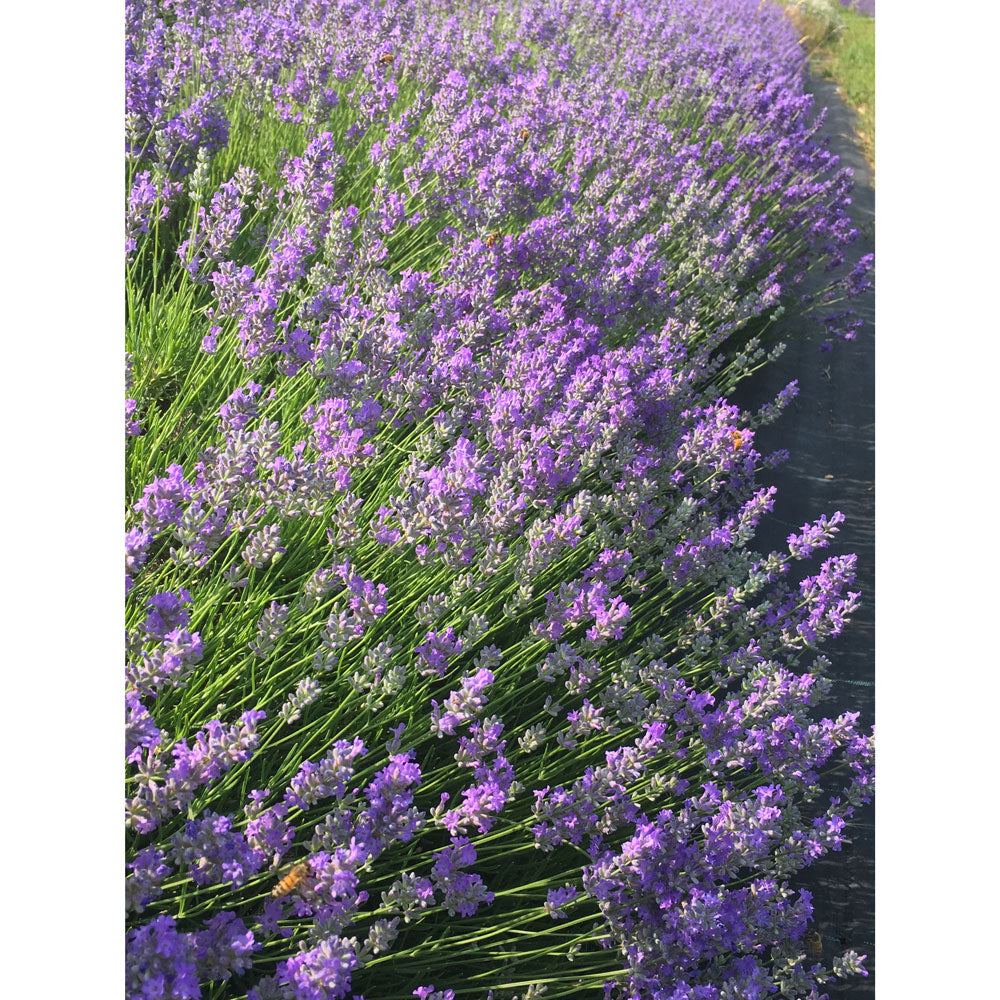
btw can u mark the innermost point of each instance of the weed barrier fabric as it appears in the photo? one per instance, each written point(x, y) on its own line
point(829, 431)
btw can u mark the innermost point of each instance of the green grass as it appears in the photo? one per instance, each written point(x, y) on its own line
point(844, 53)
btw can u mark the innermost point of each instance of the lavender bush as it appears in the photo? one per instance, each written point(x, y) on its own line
point(451, 668)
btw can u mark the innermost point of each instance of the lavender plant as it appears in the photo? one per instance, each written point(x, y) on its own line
point(441, 592)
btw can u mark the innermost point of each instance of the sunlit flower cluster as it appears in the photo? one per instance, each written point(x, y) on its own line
point(449, 657)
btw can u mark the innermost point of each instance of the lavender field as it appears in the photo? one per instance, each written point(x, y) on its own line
point(453, 666)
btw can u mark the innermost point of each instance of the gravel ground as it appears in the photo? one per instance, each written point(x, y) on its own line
point(829, 431)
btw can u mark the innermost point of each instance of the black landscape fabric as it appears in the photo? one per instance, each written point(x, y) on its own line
point(829, 431)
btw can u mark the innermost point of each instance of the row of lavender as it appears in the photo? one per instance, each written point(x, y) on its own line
point(451, 670)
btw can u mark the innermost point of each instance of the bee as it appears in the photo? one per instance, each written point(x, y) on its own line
point(494, 238)
point(386, 58)
point(737, 439)
point(294, 880)
point(813, 943)
point(619, 13)
point(524, 133)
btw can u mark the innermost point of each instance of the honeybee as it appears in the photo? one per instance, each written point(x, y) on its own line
point(619, 13)
point(294, 880)
point(737, 439)
point(386, 58)
point(494, 238)
point(524, 133)
point(813, 943)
